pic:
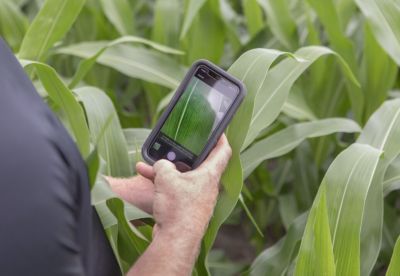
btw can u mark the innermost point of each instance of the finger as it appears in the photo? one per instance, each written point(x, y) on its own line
point(219, 157)
point(145, 170)
point(164, 166)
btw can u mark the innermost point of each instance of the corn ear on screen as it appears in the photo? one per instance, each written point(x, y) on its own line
point(198, 112)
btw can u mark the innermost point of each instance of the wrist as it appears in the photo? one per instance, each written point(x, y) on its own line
point(181, 232)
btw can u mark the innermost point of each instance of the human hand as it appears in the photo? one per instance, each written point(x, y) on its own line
point(137, 190)
point(185, 201)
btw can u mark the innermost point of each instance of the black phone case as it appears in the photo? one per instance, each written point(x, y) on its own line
point(217, 132)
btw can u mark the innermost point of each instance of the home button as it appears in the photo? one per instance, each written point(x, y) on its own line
point(171, 156)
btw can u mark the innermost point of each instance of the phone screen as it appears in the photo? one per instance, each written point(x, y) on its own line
point(197, 113)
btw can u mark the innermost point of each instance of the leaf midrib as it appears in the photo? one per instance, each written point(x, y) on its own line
point(184, 110)
point(47, 37)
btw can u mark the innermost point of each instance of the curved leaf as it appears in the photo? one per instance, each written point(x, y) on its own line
point(85, 65)
point(394, 267)
point(65, 99)
point(132, 61)
point(251, 68)
point(279, 81)
point(392, 178)
point(112, 146)
point(346, 185)
point(277, 258)
point(317, 242)
point(120, 14)
point(382, 132)
point(287, 139)
point(54, 19)
point(383, 16)
point(192, 10)
point(13, 23)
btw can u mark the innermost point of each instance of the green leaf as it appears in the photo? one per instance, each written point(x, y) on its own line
point(278, 83)
point(280, 21)
point(383, 16)
point(135, 138)
point(341, 44)
point(379, 73)
point(287, 139)
point(167, 22)
point(130, 245)
point(253, 14)
point(112, 146)
point(297, 108)
point(193, 9)
point(13, 23)
point(93, 165)
point(251, 68)
point(394, 267)
point(392, 178)
point(206, 38)
point(250, 216)
point(316, 250)
point(85, 65)
point(346, 185)
point(132, 61)
point(65, 99)
point(120, 14)
point(382, 132)
point(54, 19)
point(278, 257)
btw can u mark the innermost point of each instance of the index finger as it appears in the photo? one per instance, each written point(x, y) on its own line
point(219, 157)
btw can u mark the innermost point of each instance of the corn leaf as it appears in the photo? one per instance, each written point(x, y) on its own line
point(317, 242)
point(392, 178)
point(167, 22)
point(13, 23)
point(193, 9)
point(86, 64)
point(112, 147)
point(346, 185)
point(54, 19)
point(279, 81)
point(135, 138)
point(120, 15)
point(278, 257)
point(206, 38)
point(382, 131)
point(379, 73)
point(383, 16)
point(132, 61)
point(127, 240)
point(65, 99)
point(253, 14)
point(287, 139)
point(394, 267)
point(251, 68)
point(280, 21)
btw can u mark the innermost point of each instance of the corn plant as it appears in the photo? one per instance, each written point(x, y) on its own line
point(315, 172)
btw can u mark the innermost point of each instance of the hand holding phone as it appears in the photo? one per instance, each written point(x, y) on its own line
point(198, 114)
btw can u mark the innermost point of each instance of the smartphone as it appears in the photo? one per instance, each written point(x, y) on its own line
point(200, 110)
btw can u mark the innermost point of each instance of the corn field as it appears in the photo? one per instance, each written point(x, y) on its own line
point(313, 184)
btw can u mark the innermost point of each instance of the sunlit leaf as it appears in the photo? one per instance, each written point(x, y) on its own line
point(54, 19)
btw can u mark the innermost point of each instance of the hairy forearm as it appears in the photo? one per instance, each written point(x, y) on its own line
point(171, 252)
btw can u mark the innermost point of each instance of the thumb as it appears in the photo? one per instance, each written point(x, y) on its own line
point(163, 166)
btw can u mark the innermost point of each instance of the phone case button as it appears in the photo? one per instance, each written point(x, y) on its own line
point(171, 156)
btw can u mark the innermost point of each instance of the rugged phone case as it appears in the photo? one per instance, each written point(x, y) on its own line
point(216, 133)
